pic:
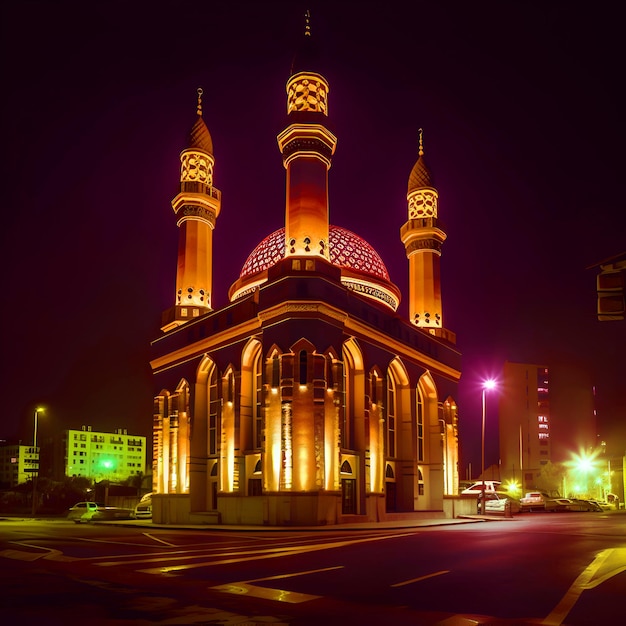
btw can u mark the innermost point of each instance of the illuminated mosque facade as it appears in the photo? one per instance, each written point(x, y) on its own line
point(307, 400)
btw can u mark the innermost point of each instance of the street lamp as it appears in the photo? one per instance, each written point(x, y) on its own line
point(487, 385)
point(36, 471)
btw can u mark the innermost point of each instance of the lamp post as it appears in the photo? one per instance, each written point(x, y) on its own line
point(36, 471)
point(487, 385)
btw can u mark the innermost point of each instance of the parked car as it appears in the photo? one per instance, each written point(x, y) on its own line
point(584, 505)
point(534, 500)
point(496, 502)
point(84, 511)
point(143, 509)
point(558, 504)
point(604, 506)
point(92, 511)
point(476, 488)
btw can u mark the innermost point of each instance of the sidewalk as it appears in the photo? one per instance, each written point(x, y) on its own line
point(367, 526)
point(357, 526)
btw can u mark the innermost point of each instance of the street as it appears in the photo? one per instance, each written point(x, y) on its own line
point(564, 568)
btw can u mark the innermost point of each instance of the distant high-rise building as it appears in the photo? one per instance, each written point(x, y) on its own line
point(524, 422)
point(99, 455)
point(18, 463)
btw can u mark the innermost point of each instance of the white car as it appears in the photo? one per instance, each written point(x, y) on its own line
point(143, 510)
point(84, 511)
point(91, 511)
point(491, 486)
point(496, 502)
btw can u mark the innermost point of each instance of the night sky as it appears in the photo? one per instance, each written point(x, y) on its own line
point(524, 134)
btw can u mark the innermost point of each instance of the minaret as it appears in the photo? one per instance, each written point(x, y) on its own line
point(307, 147)
point(422, 237)
point(196, 207)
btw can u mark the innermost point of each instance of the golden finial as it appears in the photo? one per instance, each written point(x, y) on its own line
point(307, 23)
point(199, 109)
point(421, 148)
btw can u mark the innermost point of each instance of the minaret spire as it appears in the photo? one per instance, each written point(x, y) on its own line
point(307, 147)
point(423, 237)
point(196, 207)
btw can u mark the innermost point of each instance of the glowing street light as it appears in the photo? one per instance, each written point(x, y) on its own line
point(487, 386)
point(36, 472)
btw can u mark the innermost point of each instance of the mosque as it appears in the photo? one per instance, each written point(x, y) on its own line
point(307, 399)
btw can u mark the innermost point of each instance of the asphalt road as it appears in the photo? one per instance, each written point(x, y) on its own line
point(553, 569)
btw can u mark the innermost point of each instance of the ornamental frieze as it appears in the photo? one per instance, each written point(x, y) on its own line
point(424, 244)
point(307, 145)
point(198, 212)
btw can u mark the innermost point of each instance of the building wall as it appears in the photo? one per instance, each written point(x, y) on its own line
point(300, 422)
point(17, 464)
point(524, 422)
point(102, 455)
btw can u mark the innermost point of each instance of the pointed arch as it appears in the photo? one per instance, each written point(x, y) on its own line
point(352, 422)
point(429, 442)
point(205, 433)
point(251, 396)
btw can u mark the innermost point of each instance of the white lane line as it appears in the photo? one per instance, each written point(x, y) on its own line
point(269, 593)
point(416, 580)
point(153, 538)
point(252, 555)
point(559, 613)
point(278, 576)
point(49, 554)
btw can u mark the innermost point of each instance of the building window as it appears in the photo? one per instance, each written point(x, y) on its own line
point(275, 372)
point(390, 423)
point(303, 367)
point(419, 407)
point(258, 400)
point(213, 411)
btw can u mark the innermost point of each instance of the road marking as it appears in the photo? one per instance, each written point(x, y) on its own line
point(251, 555)
point(49, 554)
point(20, 555)
point(416, 580)
point(311, 571)
point(571, 596)
point(167, 543)
point(267, 593)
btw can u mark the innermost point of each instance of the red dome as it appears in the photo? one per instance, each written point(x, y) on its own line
point(346, 250)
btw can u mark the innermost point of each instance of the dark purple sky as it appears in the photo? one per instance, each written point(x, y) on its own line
point(524, 132)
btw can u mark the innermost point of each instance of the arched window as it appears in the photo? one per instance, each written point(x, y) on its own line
point(419, 405)
point(390, 423)
point(275, 372)
point(258, 400)
point(330, 378)
point(373, 388)
point(213, 411)
point(303, 367)
point(230, 387)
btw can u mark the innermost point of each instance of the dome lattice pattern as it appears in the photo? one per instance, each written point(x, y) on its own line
point(346, 250)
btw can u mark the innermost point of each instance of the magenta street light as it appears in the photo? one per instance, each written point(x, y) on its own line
point(487, 385)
